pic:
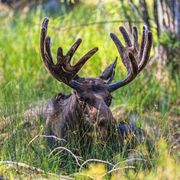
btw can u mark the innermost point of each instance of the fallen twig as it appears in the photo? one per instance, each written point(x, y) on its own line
point(18, 165)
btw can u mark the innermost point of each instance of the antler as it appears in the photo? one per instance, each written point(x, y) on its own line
point(133, 57)
point(63, 71)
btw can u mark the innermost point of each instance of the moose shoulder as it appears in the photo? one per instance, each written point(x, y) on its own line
point(91, 97)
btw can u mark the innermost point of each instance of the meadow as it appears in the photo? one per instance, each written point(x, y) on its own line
point(152, 100)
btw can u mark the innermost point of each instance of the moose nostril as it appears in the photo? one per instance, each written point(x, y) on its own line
point(102, 123)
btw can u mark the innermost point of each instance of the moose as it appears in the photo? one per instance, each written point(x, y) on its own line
point(90, 100)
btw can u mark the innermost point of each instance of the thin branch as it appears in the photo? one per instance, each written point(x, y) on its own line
point(97, 23)
point(145, 14)
point(31, 168)
point(92, 23)
point(135, 8)
point(155, 12)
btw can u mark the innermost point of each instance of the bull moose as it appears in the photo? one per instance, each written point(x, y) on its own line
point(91, 98)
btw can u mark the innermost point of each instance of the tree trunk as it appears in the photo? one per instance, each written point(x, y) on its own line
point(168, 17)
point(177, 18)
point(167, 21)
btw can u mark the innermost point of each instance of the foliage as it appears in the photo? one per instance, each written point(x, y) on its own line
point(169, 39)
point(172, 46)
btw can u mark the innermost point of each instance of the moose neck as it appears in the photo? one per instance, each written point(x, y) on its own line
point(67, 114)
point(69, 106)
point(74, 108)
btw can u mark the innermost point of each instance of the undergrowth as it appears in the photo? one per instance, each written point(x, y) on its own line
point(24, 81)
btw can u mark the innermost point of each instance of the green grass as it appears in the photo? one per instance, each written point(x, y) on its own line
point(24, 80)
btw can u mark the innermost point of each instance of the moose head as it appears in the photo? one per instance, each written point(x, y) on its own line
point(91, 97)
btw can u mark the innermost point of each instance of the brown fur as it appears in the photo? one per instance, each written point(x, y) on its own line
point(92, 106)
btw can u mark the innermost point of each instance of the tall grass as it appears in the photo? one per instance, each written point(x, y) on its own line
point(24, 80)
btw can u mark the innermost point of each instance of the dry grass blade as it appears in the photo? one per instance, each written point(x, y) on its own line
point(46, 136)
point(95, 160)
point(63, 148)
point(117, 169)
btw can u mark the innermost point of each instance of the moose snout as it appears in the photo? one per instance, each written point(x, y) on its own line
point(99, 115)
point(104, 114)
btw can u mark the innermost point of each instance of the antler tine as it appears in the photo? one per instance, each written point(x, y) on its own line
point(133, 58)
point(135, 38)
point(45, 46)
point(43, 35)
point(70, 53)
point(83, 60)
point(63, 71)
point(142, 42)
point(146, 52)
point(120, 47)
point(48, 49)
point(60, 55)
point(108, 74)
point(73, 49)
point(125, 36)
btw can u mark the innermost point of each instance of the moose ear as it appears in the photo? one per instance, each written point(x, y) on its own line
point(108, 74)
